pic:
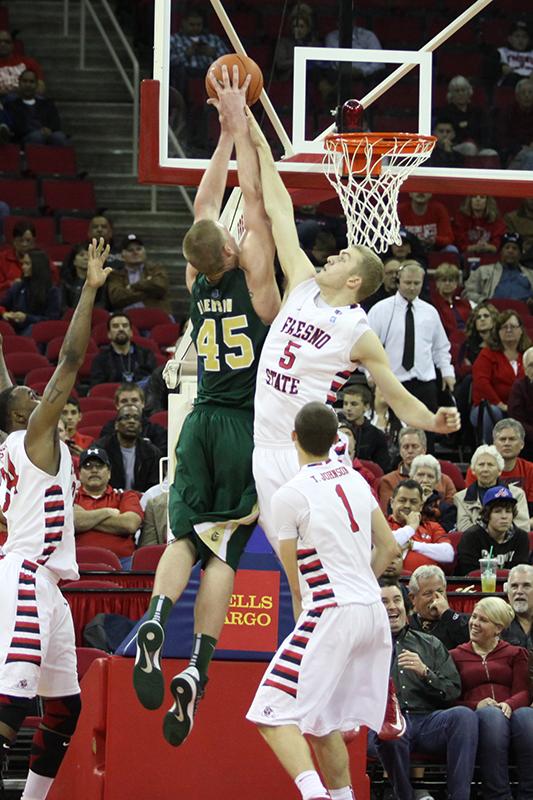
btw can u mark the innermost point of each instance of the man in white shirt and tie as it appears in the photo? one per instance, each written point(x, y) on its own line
point(412, 334)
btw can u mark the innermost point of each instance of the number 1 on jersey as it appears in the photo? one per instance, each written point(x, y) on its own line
point(340, 492)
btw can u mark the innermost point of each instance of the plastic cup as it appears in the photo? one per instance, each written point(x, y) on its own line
point(488, 567)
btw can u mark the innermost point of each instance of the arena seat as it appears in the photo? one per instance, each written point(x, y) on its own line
point(144, 319)
point(83, 584)
point(147, 558)
point(159, 418)
point(45, 228)
point(10, 159)
point(502, 304)
point(99, 555)
point(166, 335)
point(373, 467)
point(43, 332)
point(54, 346)
point(452, 471)
point(90, 430)
point(73, 229)
point(6, 329)
point(19, 344)
point(95, 403)
point(99, 416)
point(20, 194)
point(103, 390)
point(98, 316)
point(19, 364)
point(45, 159)
point(65, 195)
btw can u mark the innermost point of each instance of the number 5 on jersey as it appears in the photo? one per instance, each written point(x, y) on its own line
point(208, 347)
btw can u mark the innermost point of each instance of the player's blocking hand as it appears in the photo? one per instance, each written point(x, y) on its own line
point(447, 420)
point(96, 272)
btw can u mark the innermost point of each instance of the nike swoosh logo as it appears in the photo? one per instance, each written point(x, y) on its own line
point(179, 716)
point(149, 666)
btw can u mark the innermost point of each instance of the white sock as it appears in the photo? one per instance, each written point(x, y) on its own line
point(37, 787)
point(310, 785)
point(346, 793)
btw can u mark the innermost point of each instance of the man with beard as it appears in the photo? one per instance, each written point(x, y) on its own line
point(122, 361)
point(520, 596)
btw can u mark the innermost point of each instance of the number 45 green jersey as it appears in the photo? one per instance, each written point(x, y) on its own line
point(228, 336)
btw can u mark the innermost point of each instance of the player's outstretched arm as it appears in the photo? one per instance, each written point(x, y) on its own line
point(295, 264)
point(257, 248)
point(42, 441)
point(369, 351)
point(385, 546)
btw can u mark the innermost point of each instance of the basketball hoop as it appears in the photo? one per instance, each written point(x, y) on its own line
point(367, 170)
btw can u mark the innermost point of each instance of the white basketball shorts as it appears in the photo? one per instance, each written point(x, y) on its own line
point(331, 673)
point(272, 468)
point(37, 645)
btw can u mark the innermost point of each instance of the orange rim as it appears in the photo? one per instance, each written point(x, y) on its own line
point(381, 142)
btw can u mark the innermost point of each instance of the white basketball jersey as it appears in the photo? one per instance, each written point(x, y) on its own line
point(38, 508)
point(306, 357)
point(328, 508)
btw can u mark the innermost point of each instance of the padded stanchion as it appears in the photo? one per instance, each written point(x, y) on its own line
point(224, 757)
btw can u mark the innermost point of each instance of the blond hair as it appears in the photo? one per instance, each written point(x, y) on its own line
point(447, 270)
point(369, 268)
point(497, 611)
point(203, 245)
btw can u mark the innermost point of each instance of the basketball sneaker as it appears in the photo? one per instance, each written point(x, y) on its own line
point(394, 724)
point(187, 693)
point(147, 676)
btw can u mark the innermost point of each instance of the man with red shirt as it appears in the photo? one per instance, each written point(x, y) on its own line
point(508, 436)
point(421, 542)
point(428, 220)
point(103, 516)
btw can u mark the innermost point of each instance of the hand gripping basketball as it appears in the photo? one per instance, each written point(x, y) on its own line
point(246, 66)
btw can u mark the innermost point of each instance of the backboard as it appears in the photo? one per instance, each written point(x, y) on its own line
point(407, 93)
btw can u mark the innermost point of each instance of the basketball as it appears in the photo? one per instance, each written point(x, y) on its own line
point(246, 67)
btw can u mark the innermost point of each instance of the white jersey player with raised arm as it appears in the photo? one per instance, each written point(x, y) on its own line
point(342, 638)
point(37, 653)
point(306, 357)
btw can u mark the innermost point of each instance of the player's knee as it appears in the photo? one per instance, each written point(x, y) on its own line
point(13, 710)
point(53, 736)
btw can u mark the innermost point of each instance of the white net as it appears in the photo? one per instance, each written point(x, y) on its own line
point(367, 175)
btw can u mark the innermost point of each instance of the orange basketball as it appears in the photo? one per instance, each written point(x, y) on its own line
point(246, 67)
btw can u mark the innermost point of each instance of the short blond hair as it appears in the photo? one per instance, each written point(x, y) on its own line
point(447, 270)
point(498, 611)
point(369, 268)
point(203, 245)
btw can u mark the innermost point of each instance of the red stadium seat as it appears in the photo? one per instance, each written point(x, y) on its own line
point(39, 387)
point(6, 329)
point(100, 555)
point(90, 584)
point(20, 194)
point(73, 229)
point(43, 332)
point(166, 335)
point(19, 364)
point(147, 558)
point(93, 566)
point(44, 159)
point(19, 344)
point(144, 319)
point(373, 467)
point(84, 371)
point(98, 316)
point(98, 417)
point(161, 418)
point(10, 159)
point(103, 390)
point(45, 229)
point(147, 343)
point(91, 430)
point(39, 375)
point(452, 471)
point(58, 252)
point(74, 195)
point(502, 304)
point(54, 346)
point(95, 404)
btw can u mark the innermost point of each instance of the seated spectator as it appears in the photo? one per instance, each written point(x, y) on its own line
point(520, 596)
point(12, 65)
point(410, 249)
point(103, 515)
point(34, 120)
point(72, 275)
point(141, 284)
point(496, 533)
point(446, 297)
point(445, 154)
point(507, 278)
point(362, 39)
point(71, 417)
point(521, 220)
point(134, 460)
point(370, 443)
point(431, 612)
point(385, 421)
point(426, 682)
point(412, 442)
point(509, 437)
point(470, 123)
point(62, 430)
point(11, 257)
point(122, 361)
point(155, 526)
point(486, 465)
point(516, 58)
point(428, 220)
point(389, 287)
point(524, 158)
point(478, 330)
point(426, 471)
point(102, 226)
point(422, 542)
point(494, 679)
point(302, 34)
point(129, 394)
point(516, 123)
point(345, 451)
point(478, 226)
point(521, 402)
point(495, 370)
point(33, 298)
